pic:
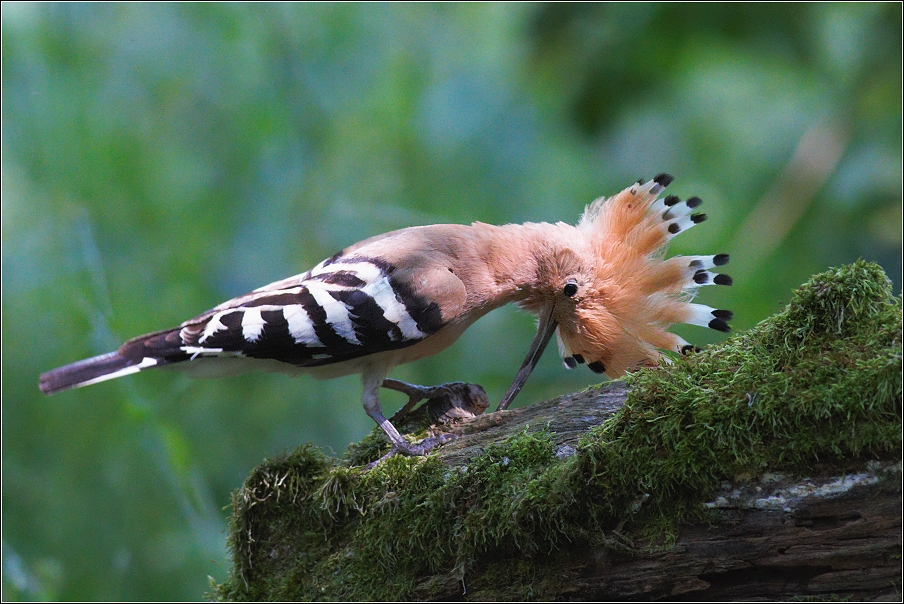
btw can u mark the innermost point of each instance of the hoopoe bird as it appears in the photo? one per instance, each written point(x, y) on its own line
point(603, 287)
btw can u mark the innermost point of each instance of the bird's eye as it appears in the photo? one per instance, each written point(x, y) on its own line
point(570, 289)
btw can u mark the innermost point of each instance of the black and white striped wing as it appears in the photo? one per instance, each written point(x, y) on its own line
point(344, 308)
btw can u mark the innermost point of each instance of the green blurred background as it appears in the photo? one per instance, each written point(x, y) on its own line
point(158, 159)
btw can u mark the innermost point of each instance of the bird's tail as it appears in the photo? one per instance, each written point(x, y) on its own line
point(151, 350)
point(630, 233)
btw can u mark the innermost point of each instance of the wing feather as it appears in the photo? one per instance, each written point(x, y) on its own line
point(344, 308)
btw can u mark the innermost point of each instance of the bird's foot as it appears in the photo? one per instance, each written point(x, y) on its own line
point(445, 402)
point(416, 449)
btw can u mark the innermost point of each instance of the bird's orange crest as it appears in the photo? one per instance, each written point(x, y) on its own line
point(627, 295)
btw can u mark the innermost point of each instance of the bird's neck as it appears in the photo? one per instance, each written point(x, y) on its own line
point(517, 262)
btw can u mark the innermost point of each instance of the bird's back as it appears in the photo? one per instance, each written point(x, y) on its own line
point(357, 303)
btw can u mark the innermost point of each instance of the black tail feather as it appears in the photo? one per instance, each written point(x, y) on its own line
point(80, 372)
point(150, 350)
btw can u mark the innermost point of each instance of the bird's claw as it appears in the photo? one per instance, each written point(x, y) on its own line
point(415, 450)
point(444, 402)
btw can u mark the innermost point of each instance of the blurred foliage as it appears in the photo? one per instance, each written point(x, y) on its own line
point(158, 159)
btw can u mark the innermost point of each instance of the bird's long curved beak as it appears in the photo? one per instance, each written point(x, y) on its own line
point(545, 330)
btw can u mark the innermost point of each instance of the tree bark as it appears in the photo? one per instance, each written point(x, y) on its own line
point(773, 538)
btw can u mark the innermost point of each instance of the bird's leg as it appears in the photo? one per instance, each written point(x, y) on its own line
point(459, 399)
point(371, 401)
point(415, 394)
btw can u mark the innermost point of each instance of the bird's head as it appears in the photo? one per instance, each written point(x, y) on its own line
point(606, 289)
point(572, 296)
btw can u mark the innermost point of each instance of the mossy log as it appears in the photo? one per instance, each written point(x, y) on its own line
point(775, 537)
point(768, 467)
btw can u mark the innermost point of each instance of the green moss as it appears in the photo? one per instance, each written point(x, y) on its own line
point(820, 381)
point(818, 384)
